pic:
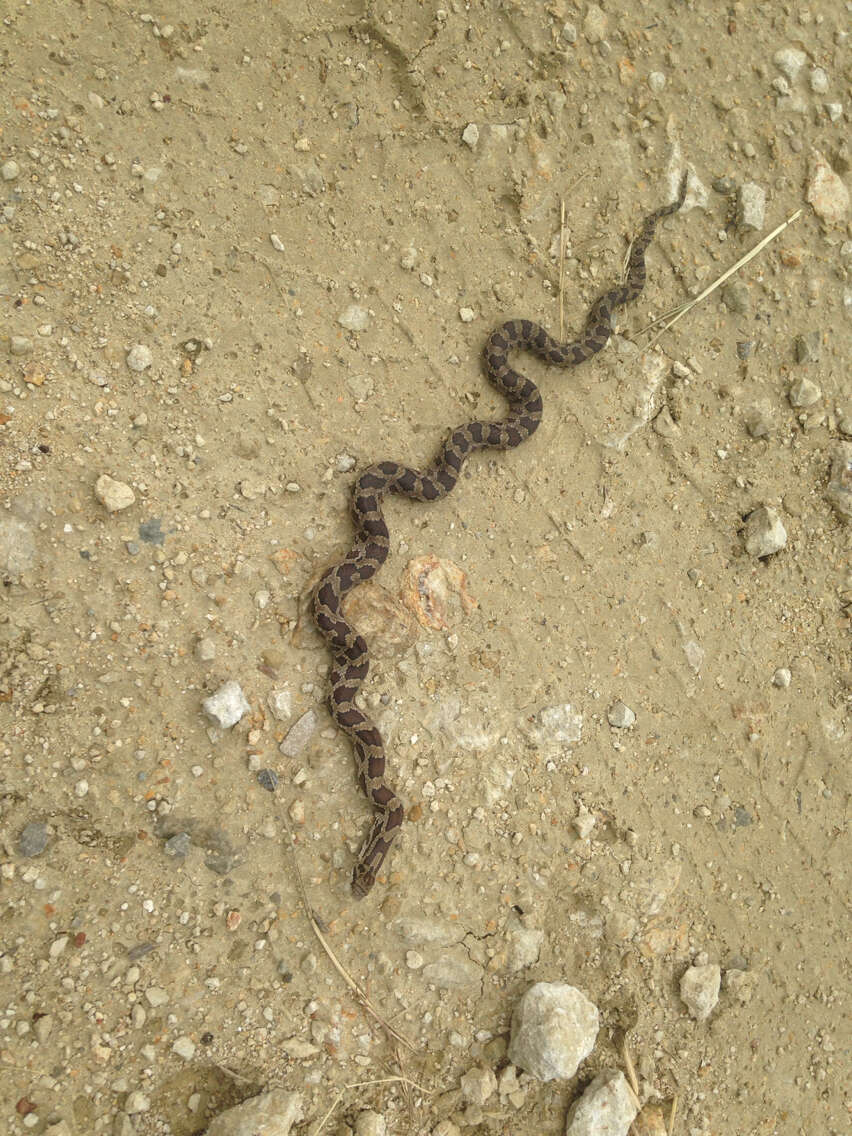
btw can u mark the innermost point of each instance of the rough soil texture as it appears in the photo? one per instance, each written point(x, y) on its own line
point(219, 183)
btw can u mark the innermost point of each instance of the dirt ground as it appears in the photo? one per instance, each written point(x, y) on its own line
point(193, 197)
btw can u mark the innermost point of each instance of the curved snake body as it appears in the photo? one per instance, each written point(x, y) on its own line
point(370, 547)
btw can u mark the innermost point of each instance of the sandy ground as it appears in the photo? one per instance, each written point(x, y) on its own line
point(220, 184)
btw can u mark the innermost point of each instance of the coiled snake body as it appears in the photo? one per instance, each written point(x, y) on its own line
point(370, 547)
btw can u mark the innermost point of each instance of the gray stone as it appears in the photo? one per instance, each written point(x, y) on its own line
point(607, 1107)
point(594, 24)
point(20, 345)
point(270, 1114)
point(136, 1102)
point(177, 845)
point(33, 839)
point(763, 533)
point(699, 989)
point(477, 1085)
point(839, 491)
point(451, 971)
point(559, 723)
point(17, 547)
point(804, 393)
point(736, 297)
point(620, 716)
point(808, 347)
point(280, 703)
point(751, 207)
point(758, 422)
point(300, 734)
point(227, 705)
point(10, 170)
point(554, 1028)
point(184, 1047)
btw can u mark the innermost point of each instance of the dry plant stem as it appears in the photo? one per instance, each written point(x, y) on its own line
point(681, 311)
point(672, 1116)
point(361, 1085)
point(338, 966)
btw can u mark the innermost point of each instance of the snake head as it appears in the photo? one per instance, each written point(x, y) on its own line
point(363, 879)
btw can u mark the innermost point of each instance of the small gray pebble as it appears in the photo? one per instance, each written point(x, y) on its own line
point(33, 839)
point(736, 297)
point(620, 716)
point(782, 678)
point(807, 347)
point(177, 845)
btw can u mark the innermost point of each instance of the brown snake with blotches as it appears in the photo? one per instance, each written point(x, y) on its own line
point(370, 548)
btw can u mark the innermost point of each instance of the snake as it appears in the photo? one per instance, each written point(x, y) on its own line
point(371, 544)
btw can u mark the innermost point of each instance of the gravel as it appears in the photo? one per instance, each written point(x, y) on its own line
point(114, 495)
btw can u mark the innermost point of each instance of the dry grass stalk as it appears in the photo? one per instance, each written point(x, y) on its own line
point(361, 1085)
point(680, 311)
point(360, 994)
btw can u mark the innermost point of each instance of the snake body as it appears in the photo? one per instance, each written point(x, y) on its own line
point(371, 544)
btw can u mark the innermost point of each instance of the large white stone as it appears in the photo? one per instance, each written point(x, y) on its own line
point(554, 1028)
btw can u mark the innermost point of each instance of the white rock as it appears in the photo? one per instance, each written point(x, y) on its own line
point(139, 357)
point(10, 170)
point(751, 207)
point(803, 392)
point(369, 1123)
point(184, 1047)
point(470, 135)
point(113, 495)
point(477, 1085)
point(300, 734)
point(782, 678)
point(763, 533)
point(280, 703)
point(270, 1114)
point(790, 61)
point(205, 650)
point(355, 318)
point(467, 315)
point(227, 705)
point(607, 1107)
point(554, 1028)
point(524, 947)
point(555, 724)
point(620, 716)
point(594, 24)
point(135, 1103)
point(819, 80)
point(583, 822)
point(656, 81)
point(699, 989)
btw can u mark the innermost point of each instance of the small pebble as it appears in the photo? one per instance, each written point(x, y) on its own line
point(20, 345)
point(782, 678)
point(803, 393)
point(620, 716)
point(790, 61)
point(819, 80)
point(33, 839)
point(300, 735)
point(354, 318)
point(205, 650)
point(839, 492)
point(467, 315)
point(477, 1085)
point(699, 989)
point(751, 207)
point(758, 422)
point(113, 495)
point(808, 347)
point(177, 846)
point(369, 1123)
point(10, 170)
point(826, 191)
point(656, 81)
point(470, 135)
point(736, 297)
point(280, 703)
point(594, 24)
point(763, 533)
point(227, 705)
point(184, 1047)
point(139, 357)
point(136, 1102)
